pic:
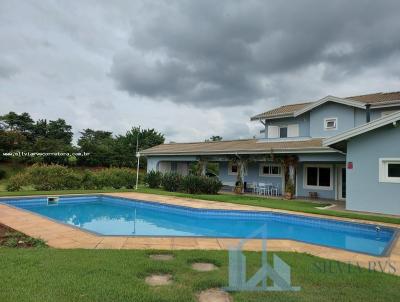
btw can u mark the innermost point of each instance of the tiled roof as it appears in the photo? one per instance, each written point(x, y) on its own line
point(379, 97)
point(285, 110)
point(374, 99)
point(233, 147)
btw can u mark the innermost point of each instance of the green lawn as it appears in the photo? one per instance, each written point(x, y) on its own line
point(290, 205)
point(111, 275)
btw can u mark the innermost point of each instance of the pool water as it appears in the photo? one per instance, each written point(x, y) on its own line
point(117, 216)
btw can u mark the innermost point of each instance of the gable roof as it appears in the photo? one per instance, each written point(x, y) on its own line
point(375, 99)
point(335, 141)
point(246, 146)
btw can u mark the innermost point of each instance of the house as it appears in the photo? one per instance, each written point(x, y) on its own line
point(334, 148)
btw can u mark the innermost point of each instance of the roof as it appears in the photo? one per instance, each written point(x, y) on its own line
point(247, 146)
point(375, 99)
point(337, 140)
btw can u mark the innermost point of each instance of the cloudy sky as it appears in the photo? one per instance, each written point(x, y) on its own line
point(190, 69)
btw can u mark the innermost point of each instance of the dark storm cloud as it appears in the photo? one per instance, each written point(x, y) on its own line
point(226, 53)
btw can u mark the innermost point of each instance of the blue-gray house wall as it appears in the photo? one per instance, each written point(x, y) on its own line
point(364, 152)
point(343, 113)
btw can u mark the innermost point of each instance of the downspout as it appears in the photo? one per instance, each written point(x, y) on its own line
point(368, 113)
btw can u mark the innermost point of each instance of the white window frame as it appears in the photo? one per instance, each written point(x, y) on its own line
point(384, 170)
point(261, 170)
point(305, 186)
point(329, 119)
point(230, 169)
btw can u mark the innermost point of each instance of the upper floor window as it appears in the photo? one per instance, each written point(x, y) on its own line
point(283, 133)
point(330, 123)
point(389, 170)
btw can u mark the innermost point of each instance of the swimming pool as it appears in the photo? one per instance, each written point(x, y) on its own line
point(118, 216)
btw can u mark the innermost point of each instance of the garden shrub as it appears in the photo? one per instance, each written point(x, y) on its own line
point(2, 174)
point(211, 185)
point(191, 184)
point(91, 181)
point(17, 181)
point(117, 178)
point(171, 181)
point(153, 179)
point(53, 177)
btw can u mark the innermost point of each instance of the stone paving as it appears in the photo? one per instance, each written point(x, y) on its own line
point(61, 236)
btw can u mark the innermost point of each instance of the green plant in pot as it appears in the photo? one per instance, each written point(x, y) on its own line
point(289, 189)
point(238, 187)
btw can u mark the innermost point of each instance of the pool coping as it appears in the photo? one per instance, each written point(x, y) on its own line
point(59, 235)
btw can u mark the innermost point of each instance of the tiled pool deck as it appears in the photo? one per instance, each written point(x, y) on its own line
point(62, 236)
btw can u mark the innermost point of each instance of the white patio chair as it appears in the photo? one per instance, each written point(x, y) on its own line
point(269, 188)
point(274, 190)
point(262, 188)
point(255, 187)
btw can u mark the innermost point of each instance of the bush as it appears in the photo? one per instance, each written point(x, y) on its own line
point(211, 185)
point(117, 178)
point(2, 174)
point(17, 181)
point(171, 181)
point(91, 181)
point(53, 177)
point(193, 184)
point(153, 179)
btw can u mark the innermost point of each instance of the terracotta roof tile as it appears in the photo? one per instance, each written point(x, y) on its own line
point(374, 99)
point(232, 147)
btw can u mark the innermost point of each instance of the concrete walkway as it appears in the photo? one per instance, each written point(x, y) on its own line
point(62, 236)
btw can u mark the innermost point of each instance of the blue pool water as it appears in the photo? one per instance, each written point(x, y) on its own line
point(118, 216)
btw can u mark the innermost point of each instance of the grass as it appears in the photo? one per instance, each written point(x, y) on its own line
point(289, 205)
point(112, 275)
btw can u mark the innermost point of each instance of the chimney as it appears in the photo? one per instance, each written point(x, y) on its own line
point(368, 112)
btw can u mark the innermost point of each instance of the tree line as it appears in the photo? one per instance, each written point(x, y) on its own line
point(20, 133)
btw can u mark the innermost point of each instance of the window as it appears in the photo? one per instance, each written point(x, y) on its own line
point(233, 169)
point(283, 132)
point(330, 123)
point(270, 170)
point(389, 170)
point(318, 177)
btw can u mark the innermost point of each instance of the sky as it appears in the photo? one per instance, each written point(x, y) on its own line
point(190, 69)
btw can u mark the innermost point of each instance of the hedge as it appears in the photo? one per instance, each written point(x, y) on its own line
point(57, 177)
point(191, 184)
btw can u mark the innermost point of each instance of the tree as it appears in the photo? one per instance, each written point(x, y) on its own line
point(100, 146)
point(126, 144)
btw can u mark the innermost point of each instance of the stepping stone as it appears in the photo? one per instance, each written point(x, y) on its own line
point(162, 257)
point(204, 267)
point(214, 295)
point(158, 280)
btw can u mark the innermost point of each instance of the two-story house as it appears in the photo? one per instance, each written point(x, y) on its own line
point(334, 148)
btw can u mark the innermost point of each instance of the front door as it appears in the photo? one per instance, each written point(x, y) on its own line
point(342, 182)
